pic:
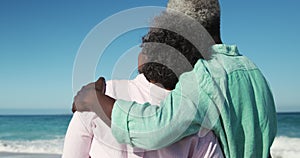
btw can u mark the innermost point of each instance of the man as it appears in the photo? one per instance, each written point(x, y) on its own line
point(226, 93)
point(88, 136)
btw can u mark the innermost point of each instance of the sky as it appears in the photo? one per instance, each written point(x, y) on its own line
point(40, 39)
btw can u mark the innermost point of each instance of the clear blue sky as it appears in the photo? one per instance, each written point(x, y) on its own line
point(39, 40)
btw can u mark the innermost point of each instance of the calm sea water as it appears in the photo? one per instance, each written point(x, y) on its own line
point(288, 125)
point(45, 134)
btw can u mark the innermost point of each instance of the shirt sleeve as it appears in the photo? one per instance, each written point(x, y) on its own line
point(78, 139)
point(182, 113)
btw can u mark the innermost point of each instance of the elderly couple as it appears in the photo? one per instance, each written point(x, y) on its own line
point(219, 107)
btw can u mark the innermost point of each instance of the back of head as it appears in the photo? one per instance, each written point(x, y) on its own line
point(164, 64)
point(206, 12)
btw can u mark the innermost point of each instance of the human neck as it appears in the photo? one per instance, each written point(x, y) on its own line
point(159, 85)
point(217, 39)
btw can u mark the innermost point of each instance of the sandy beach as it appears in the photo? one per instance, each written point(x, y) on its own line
point(27, 155)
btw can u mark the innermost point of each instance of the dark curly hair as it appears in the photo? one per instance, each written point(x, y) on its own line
point(162, 65)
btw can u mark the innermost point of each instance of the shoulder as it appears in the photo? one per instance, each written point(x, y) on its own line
point(85, 118)
point(117, 89)
point(128, 89)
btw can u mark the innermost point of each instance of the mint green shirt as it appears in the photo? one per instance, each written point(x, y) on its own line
point(227, 94)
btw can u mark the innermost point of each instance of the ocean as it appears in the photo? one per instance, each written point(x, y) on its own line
point(33, 133)
point(44, 134)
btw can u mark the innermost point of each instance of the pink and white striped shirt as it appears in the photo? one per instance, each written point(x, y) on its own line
point(88, 136)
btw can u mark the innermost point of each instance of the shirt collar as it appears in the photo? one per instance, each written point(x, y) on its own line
point(230, 50)
point(140, 78)
point(155, 92)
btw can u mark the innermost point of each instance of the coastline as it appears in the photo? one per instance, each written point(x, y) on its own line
point(27, 155)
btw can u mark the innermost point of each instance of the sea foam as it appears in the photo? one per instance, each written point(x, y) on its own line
point(53, 146)
point(285, 147)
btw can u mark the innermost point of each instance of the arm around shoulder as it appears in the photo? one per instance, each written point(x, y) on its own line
point(153, 127)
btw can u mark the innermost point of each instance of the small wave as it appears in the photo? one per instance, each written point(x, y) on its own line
point(285, 147)
point(53, 146)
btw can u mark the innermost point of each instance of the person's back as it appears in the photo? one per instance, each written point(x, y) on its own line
point(240, 80)
point(247, 125)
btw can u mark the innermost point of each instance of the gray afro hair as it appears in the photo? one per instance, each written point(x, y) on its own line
point(206, 12)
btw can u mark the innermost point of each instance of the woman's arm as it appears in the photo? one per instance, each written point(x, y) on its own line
point(78, 139)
